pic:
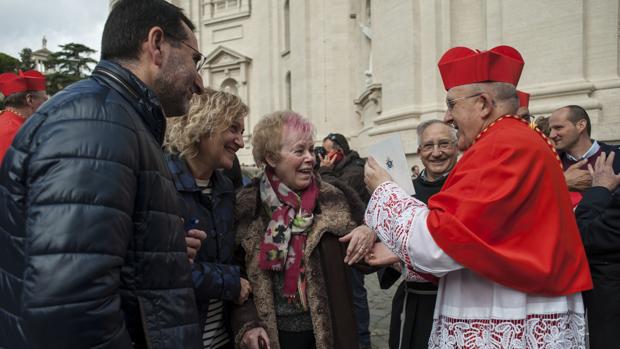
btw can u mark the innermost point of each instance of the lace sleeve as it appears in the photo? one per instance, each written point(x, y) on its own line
point(400, 222)
point(390, 214)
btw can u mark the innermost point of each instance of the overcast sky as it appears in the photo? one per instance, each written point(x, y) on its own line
point(24, 23)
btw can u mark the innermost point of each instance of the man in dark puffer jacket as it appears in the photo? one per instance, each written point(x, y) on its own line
point(92, 251)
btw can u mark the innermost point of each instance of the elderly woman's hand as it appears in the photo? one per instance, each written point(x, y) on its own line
point(374, 174)
point(380, 255)
point(253, 338)
point(360, 241)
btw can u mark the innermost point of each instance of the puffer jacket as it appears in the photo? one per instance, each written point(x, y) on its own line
point(92, 248)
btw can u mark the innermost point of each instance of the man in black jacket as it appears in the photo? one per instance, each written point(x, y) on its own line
point(598, 217)
point(93, 251)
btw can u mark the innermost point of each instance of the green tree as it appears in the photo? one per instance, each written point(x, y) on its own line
point(69, 65)
point(73, 59)
point(27, 63)
point(8, 63)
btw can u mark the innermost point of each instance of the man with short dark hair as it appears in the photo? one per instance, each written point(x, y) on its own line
point(344, 164)
point(597, 213)
point(93, 248)
point(23, 95)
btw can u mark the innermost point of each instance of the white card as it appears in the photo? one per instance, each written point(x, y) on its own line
point(390, 155)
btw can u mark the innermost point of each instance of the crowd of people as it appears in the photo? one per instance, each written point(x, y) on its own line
point(126, 222)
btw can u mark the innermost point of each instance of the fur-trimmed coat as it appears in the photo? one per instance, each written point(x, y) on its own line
point(328, 277)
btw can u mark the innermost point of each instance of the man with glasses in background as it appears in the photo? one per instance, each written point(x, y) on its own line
point(413, 304)
point(94, 251)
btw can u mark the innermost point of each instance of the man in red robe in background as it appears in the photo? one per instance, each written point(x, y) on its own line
point(500, 235)
point(23, 95)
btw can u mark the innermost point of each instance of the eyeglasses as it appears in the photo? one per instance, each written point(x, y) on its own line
point(442, 145)
point(452, 102)
point(201, 61)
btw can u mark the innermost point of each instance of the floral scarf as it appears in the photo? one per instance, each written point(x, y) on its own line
point(285, 239)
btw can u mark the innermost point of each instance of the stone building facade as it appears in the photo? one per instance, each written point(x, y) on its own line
point(368, 68)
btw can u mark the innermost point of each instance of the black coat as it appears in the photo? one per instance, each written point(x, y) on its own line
point(349, 170)
point(213, 272)
point(92, 246)
point(598, 218)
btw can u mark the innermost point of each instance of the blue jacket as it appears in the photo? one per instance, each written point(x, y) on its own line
point(92, 249)
point(213, 272)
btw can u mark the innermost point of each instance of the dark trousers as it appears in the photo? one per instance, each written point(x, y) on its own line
point(296, 340)
point(360, 305)
point(603, 306)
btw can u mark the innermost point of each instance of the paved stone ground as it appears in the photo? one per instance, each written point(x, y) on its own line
point(380, 305)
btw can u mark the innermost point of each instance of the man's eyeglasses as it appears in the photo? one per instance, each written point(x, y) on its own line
point(442, 145)
point(201, 61)
point(452, 102)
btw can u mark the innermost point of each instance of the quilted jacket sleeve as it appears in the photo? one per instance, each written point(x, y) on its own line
point(79, 191)
point(216, 281)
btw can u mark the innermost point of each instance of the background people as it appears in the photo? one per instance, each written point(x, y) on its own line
point(415, 171)
point(94, 253)
point(593, 169)
point(199, 144)
point(23, 95)
point(287, 230)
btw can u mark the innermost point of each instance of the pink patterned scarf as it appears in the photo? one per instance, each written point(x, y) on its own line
point(283, 246)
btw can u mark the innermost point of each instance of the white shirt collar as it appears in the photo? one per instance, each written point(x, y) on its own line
point(593, 150)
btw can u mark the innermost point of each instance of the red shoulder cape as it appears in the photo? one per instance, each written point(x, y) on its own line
point(9, 125)
point(504, 212)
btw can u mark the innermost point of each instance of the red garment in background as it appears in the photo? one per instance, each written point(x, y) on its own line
point(505, 213)
point(9, 125)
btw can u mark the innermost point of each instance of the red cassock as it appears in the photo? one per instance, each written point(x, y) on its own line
point(505, 213)
point(9, 125)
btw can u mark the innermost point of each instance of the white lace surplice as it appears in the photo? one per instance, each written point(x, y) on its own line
point(471, 311)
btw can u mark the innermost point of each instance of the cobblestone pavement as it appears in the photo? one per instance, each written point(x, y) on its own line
point(380, 305)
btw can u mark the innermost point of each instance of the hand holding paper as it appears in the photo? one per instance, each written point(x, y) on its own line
point(387, 162)
point(374, 174)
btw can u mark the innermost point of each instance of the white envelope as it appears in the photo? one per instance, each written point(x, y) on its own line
point(390, 155)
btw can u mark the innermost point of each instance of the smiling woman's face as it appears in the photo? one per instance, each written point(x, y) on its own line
point(295, 161)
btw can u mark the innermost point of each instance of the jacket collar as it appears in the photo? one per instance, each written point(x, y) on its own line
point(184, 180)
point(352, 156)
point(137, 92)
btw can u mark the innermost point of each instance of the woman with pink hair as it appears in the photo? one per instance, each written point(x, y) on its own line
point(289, 224)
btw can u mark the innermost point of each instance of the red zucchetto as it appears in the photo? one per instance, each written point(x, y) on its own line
point(463, 66)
